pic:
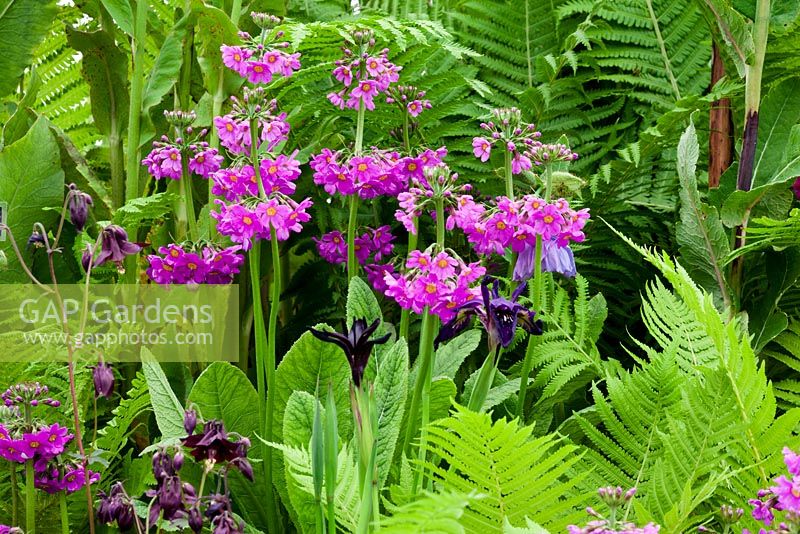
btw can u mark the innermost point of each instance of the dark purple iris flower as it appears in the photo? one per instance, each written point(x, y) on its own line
point(500, 316)
point(356, 344)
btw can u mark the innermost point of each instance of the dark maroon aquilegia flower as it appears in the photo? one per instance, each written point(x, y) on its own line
point(500, 316)
point(213, 444)
point(356, 344)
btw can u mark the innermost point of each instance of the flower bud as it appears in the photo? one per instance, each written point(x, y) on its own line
point(189, 421)
point(103, 378)
point(195, 519)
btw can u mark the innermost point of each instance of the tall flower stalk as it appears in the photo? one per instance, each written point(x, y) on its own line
point(357, 344)
point(257, 188)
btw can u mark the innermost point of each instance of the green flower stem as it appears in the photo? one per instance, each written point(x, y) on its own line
point(62, 505)
point(14, 494)
point(187, 198)
point(274, 305)
point(352, 263)
point(30, 499)
point(219, 95)
point(422, 391)
point(134, 122)
point(405, 313)
point(440, 224)
point(265, 346)
point(366, 421)
point(428, 356)
point(537, 290)
point(331, 439)
point(483, 383)
point(422, 372)
point(406, 138)
point(254, 259)
point(135, 110)
point(509, 176)
point(359, 129)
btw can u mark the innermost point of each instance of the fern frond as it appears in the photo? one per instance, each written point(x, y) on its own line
point(487, 458)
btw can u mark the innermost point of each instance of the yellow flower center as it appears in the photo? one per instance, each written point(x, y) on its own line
point(501, 225)
point(229, 127)
point(412, 166)
point(341, 176)
point(442, 263)
point(258, 68)
point(191, 266)
point(430, 288)
point(247, 220)
point(548, 219)
point(365, 87)
point(237, 57)
point(173, 156)
point(271, 212)
point(273, 169)
point(362, 166)
point(271, 59)
point(174, 253)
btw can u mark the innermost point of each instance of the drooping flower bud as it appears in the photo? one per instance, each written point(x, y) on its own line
point(78, 205)
point(195, 519)
point(190, 421)
point(103, 377)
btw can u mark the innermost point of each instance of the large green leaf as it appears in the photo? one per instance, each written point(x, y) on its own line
point(31, 180)
point(309, 363)
point(223, 392)
point(23, 24)
point(105, 68)
point(214, 29)
point(700, 233)
point(121, 12)
point(167, 408)
point(361, 302)
point(391, 391)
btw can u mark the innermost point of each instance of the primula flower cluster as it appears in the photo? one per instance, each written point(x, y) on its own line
point(167, 157)
point(245, 221)
point(253, 210)
point(515, 224)
point(511, 134)
point(614, 498)
point(364, 74)
point(259, 59)
point(39, 442)
point(430, 182)
point(209, 265)
point(375, 173)
point(408, 98)
point(233, 129)
point(783, 497)
point(440, 282)
point(278, 175)
point(371, 247)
